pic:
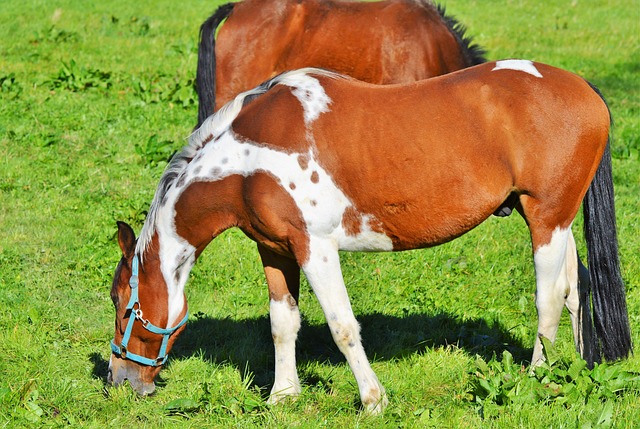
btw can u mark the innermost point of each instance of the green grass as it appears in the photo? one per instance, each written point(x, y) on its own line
point(95, 97)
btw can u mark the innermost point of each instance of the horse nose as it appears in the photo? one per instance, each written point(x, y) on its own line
point(116, 374)
point(147, 389)
point(110, 371)
point(141, 387)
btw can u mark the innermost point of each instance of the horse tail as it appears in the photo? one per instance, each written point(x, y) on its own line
point(206, 71)
point(610, 318)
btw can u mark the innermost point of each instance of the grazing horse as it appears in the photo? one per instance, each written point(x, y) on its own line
point(311, 163)
point(392, 41)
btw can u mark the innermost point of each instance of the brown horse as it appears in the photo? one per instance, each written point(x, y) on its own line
point(311, 163)
point(392, 41)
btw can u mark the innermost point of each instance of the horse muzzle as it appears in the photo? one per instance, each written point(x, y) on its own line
point(121, 370)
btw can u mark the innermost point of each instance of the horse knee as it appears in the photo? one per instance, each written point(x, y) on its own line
point(345, 334)
point(285, 320)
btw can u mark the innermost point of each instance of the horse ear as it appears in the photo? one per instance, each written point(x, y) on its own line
point(126, 239)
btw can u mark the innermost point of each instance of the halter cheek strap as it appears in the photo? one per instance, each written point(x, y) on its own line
point(136, 313)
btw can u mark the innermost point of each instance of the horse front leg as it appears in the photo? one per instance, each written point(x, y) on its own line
point(325, 277)
point(283, 278)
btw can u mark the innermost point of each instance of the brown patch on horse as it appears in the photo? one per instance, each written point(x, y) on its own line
point(351, 221)
point(303, 161)
point(379, 42)
point(274, 219)
point(206, 209)
point(273, 127)
point(283, 276)
point(257, 204)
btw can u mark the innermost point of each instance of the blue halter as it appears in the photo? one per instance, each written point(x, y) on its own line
point(136, 313)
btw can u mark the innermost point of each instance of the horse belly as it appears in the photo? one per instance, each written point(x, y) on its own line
point(416, 200)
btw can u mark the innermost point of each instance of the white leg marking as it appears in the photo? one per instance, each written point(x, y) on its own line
point(519, 65)
point(552, 288)
point(285, 324)
point(577, 301)
point(325, 277)
point(573, 300)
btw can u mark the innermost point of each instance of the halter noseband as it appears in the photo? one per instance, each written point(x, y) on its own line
point(136, 313)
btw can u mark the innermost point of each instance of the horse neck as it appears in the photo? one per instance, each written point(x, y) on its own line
point(186, 225)
point(171, 258)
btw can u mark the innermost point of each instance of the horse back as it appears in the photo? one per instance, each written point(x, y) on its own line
point(379, 42)
point(443, 154)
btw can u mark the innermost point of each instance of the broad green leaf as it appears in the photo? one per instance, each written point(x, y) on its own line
point(576, 368)
point(182, 405)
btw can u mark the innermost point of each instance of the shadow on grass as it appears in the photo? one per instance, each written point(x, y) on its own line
point(100, 367)
point(247, 344)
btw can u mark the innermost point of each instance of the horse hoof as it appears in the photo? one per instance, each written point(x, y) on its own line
point(376, 401)
point(281, 395)
point(377, 407)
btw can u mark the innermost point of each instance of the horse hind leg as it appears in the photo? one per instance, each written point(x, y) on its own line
point(325, 277)
point(578, 303)
point(553, 285)
point(283, 278)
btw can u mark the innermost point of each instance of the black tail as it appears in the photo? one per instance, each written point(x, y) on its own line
point(613, 335)
point(206, 72)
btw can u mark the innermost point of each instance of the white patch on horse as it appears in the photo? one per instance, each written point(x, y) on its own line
point(311, 94)
point(177, 257)
point(518, 65)
point(547, 255)
point(319, 199)
point(552, 287)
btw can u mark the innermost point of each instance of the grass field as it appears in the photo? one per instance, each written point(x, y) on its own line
point(94, 98)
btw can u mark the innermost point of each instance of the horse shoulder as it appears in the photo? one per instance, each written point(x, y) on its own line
point(275, 119)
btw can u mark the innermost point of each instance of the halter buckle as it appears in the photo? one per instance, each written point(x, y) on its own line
point(138, 315)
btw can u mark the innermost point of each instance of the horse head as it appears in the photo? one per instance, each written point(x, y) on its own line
point(139, 293)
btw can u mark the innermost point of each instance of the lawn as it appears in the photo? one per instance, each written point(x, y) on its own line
point(96, 96)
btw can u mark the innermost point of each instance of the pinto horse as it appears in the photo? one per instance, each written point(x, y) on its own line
point(311, 163)
point(392, 41)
